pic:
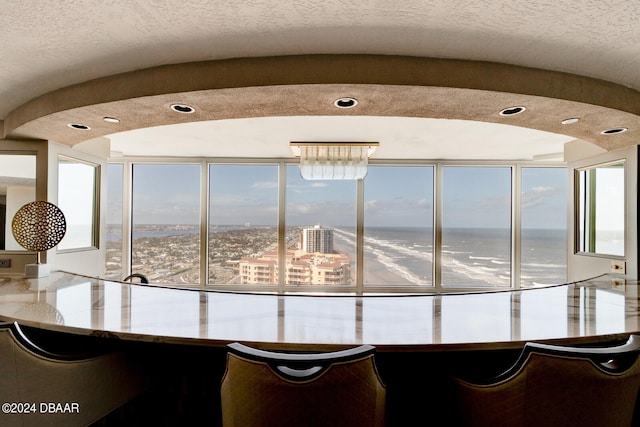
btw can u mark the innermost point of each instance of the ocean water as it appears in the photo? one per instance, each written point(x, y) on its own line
point(470, 257)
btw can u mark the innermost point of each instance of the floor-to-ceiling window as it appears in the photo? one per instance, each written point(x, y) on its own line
point(405, 227)
point(165, 225)
point(243, 224)
point(398, 226)
point(476, 226)
point(320, 231)
point(543, 213)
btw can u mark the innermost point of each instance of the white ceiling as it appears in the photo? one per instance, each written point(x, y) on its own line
point(399, 138)
point(49, 45)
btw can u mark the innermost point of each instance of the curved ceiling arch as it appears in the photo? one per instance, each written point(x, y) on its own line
point(307, 85)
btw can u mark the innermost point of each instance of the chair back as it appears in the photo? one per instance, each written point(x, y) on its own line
point(553, 385)
point(64, 389)
point(264, 388)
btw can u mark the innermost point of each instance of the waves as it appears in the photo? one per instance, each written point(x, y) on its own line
point(478, 257)
point(463, 271)
point(396, 256)
point(391, 265)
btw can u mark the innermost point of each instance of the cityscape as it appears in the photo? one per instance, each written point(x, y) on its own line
point(238, 254)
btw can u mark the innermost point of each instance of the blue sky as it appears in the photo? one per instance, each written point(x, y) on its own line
point(394, 196)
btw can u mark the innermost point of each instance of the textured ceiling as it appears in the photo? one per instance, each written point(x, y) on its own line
point(50, 45)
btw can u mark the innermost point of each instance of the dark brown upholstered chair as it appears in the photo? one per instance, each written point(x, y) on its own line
point(62, 389)
point(264, 388)
point(558, 386)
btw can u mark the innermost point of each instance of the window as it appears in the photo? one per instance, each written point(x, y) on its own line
point(243, 224)
point(476, 226)
point(544, 226)
point(165, 244)
point(320, 231)
point(77, 199)
point(304, 235)
point(398, 225)
point(600, 209)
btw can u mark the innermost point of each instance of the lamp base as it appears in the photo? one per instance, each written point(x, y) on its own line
point(32, 271)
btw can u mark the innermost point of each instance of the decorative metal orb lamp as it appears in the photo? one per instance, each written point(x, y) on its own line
point(38, 226)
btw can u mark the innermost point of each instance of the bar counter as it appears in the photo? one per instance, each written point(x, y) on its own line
point(599, 309)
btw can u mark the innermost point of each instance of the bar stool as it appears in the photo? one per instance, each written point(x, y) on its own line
point(265, 388)
point(551, 385)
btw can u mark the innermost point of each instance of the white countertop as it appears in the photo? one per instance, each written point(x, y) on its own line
point(599, 309)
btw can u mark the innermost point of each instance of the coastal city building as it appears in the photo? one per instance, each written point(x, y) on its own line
point(314, 263)
point(302, 268)
point(317, 239)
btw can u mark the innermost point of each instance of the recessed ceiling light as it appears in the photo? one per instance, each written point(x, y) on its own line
point(111, 119)
point(613, 131)
point(570, 121)
point(512, 111)
point(345, 102)
point(78, 126)
point(182, 108)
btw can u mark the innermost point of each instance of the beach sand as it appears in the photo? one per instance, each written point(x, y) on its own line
point(375, 273)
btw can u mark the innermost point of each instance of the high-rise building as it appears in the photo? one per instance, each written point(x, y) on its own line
point(317, 239)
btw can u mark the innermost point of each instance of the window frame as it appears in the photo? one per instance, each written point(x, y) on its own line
point(514, 214)
point(577, 202)
point(422, 287)
point(518, 240)
point(360, 288)
point(279, 225)
point(128, 208)
point(95, 205)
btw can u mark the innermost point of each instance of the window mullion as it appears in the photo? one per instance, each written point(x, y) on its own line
point(360, 237)
point(127, 217)
point(282, 246)
point(204, 224)
point(437, 227)
point(516, 224)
